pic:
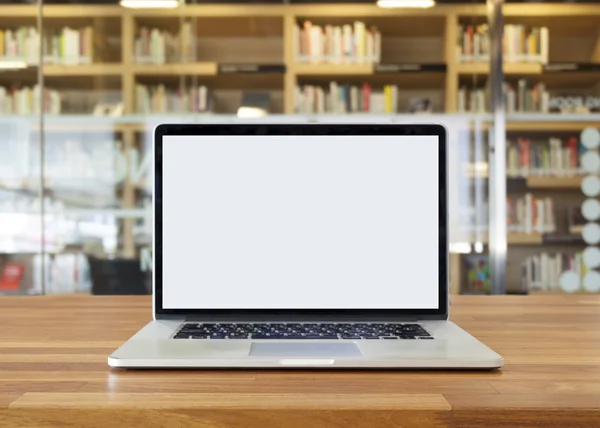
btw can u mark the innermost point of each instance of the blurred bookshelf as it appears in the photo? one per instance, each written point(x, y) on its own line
point(111, 74)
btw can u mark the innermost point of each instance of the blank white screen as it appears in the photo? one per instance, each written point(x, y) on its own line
point(300, 222)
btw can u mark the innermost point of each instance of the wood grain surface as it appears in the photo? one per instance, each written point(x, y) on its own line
point(54, 373)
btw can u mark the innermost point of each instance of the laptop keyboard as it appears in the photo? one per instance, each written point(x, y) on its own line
point(301, 331)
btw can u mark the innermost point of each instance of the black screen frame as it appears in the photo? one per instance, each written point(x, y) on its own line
point(301, 129)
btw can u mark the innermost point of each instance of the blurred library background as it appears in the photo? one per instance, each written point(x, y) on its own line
point(84, 83)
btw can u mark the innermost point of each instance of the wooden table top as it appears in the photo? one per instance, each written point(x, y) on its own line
point(54, 372)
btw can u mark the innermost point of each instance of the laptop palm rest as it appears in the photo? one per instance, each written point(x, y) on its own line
point(304, 350)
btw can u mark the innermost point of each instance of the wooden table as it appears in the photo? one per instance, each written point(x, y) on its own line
point(53, 373)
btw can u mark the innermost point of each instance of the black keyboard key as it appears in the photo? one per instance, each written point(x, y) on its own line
point(329, 331)
point(426, 337)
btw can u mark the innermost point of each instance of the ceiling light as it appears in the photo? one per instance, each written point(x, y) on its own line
point(390, 4)
point(150, 4)
point(12, 65)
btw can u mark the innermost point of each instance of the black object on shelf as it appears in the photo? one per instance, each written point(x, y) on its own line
point(118, 277)
point(562, 238)
point(410, 68)
point(516, 184)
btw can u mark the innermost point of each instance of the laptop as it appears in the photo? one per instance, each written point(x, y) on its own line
point(301, 245)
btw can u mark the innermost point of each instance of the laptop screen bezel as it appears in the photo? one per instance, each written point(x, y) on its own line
point(441, 312)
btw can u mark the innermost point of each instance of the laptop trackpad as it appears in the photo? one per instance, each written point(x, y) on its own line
point(304, 350)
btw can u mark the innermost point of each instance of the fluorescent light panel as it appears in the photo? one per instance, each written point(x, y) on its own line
point(390, 4)
point(150, 4)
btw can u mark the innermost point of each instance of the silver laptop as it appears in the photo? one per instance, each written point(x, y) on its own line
point(301, 246)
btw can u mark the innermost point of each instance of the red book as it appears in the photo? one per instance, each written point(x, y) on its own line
point(470, 32)
point(572, 145)
point(11, 276)
point(366, 97)
point(524, 153)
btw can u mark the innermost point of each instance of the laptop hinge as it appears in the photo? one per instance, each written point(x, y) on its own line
point(262, 319)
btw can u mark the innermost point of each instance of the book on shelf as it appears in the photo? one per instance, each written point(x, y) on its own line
point(65, 46)
point(542, 272)
point(29, 100)
point(478, 274)
point(337, 44)
point(160, 99)
point(20, 44)
point(69, 46)
point(519, 44)
point(575, 220)
point(156, 46)
point(520, 98)
point(346, 98)
point(554, 157)
point(530, 214)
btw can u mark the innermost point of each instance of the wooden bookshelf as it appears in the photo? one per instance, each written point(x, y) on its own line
point(513, 125)
point(83, 70)
point(554, 182)
point(180, 69)
point(335, 70)
point(417, 36)
point(522, 69)
point(524, 238)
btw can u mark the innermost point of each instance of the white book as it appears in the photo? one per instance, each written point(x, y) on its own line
point(337, 44)
point(370, 48)
point(541, 217)
point(360, 41)
point(528, 213)
point(314, 44)
point(311, 99)
point(333, 93)
point(377, 46)
point(347, 45)
point(321, 100)
point(545, 102)
point(545, 263)
point(329, 43)
point(544, 44)
point(559, 268)
point(551, 225)
point(203, 98)
point(71, 46)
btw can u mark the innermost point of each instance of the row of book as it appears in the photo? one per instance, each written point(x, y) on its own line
point(346, 99)
point(552, 158)
point(153, 45)
point(525, 98)
point(530, 214)
point(65, 46)
point(543, 272)
point(28, 100)
point(520, 43)
point(159, 99)
point(349, 43)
